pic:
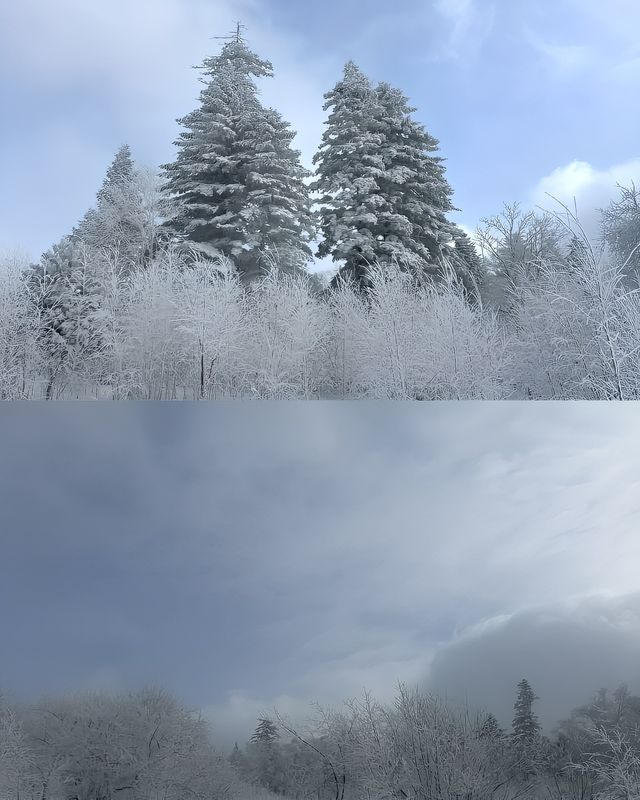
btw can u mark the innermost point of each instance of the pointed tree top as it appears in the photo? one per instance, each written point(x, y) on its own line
point(237, 56)
point(353, 72)
point(234, 36)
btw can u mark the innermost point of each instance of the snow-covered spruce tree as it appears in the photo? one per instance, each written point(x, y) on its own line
point(264, 752)
point(528, 748)
point(384, 196)
point(125, 219)
point(467, 263)
point(68, 300)
point(237, 185)
point(621, 231)
point(525, 723)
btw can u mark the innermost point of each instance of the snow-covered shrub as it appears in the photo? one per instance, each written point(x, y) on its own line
point(210, 319)
point(286, 324)
point(18, 330)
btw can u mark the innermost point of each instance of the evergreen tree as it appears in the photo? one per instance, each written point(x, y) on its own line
point(528, 746)
point(621, 230)
point(68, 306)
point(490, 729)
point(384, 196)
point(267, 759)
point(525, 723)
point(237, 185)
point(266, 732)
point(236, 758)
point(577, 253)
point(123, 223)
point(466, 262)
point(348, 167)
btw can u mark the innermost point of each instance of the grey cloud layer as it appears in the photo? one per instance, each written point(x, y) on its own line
point(566, 650)
point(244, 553)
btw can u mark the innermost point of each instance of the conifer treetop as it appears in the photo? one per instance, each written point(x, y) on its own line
point(525, 722)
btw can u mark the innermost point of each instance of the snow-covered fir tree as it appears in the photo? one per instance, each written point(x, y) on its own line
point(237, 184)
point(348, 167)
point(266, 732)
point(577, 253)
point(123, 224)
point(525, 723)
point(265, 756)
point(384, 195)
point(68, 300)
point(467, 262)
point(490, 728)
point(621, 231)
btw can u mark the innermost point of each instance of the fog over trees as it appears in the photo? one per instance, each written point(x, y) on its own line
point(144, 744)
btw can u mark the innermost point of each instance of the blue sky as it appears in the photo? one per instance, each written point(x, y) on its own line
point(284, 554)
point(525, 98)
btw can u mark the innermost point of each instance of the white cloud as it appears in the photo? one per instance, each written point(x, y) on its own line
point(591, 188)
point(562, 59)
point(468, 24)
point(141, 54)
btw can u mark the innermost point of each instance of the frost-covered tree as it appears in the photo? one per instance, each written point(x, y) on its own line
point(126, 216)
point(17, 772)
point(266, 732)
point(384, 196)
point(96, 746)
point(525, 722)
point(576, 253)
point(153, 345)
point(577, 330)
point(68, 298)
point(19, 328)
point(490, 728)
point(210, 319)
point(467, 262)
point(265, 757)
point(237, 184)
point(517, 247)
point(410, 340)
point(621, 231)
point(286, 325)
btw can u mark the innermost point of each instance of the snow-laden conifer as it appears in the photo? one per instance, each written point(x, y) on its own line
point(237, 184)
point(123, 223)
point(384, 195)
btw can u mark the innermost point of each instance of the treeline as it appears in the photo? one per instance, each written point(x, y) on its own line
point(421, 748)
point(189, 328)
point(144, 746)
point(195, 283)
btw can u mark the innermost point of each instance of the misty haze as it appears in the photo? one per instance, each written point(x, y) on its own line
point(357, 601)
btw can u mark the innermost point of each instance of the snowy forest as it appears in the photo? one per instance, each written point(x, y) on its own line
point(146, 745)
point(199, 280)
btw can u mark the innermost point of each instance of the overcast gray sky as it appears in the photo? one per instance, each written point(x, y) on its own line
point(246, 556)
point(525, 97)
